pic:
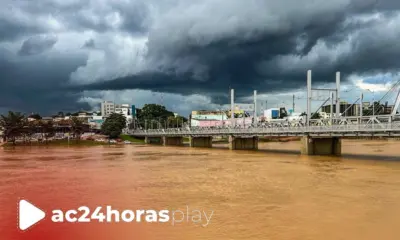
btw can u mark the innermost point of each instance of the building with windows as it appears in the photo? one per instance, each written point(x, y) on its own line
point(107, 107)
point(124, 109)
point(127, 110)
point(352, 109)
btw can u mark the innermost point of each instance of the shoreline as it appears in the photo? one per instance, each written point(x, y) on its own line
point(134, 141)
point(54, 143)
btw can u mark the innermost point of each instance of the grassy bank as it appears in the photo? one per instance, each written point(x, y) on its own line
point(131, 139)
point(57, 143)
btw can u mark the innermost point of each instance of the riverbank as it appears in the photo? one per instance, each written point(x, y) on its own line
point(131, 139)
point(73, 142)
point(55, 143)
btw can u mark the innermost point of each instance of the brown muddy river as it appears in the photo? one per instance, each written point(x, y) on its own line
point(273, 193)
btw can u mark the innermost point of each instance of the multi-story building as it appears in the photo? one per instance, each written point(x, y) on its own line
point(124, 109)
point(107, 107)
point(352, 109)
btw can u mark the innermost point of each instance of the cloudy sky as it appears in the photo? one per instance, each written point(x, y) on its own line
point(67, 55)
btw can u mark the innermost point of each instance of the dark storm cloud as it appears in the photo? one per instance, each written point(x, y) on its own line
point(39, 86)
point(200, 47)
point(11, 30)
point(39, 81)
point(89, 44)
point(19, 18)
point(188, 58)
point(37, 44)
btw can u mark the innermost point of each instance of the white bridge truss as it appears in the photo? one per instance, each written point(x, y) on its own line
point(382, 125)
point(335, 125)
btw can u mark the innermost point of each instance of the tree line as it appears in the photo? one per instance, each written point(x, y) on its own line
point(153, 116)
point(16, 125)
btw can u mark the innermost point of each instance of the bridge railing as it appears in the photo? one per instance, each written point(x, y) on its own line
point(363, 128)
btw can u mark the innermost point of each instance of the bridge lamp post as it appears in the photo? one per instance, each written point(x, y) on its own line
point(220, 110)
point(373, 102)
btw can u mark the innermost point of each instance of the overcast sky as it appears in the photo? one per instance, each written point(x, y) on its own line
point(67, 55)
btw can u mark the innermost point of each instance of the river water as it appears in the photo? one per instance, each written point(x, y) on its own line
point(273, 193)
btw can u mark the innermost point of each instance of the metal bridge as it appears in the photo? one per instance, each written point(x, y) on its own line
point(375, 126)
point(319, 136)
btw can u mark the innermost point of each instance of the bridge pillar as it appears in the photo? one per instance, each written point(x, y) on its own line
point(153, 140)
point(173, 141)
point(201, 142)
point(321, 146)
point(239, 143)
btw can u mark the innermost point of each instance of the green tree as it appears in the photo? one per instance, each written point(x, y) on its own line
point(28, 130)
point(35, 116)
point(154, 112)
point(12, 125)
point(138, 113)
point(176, 122)
point(113, 125)
point(47, 129)
point(77, 128)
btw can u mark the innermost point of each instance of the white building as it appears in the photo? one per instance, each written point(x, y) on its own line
point(124, 109)
point(107, 107)
point(96, 121)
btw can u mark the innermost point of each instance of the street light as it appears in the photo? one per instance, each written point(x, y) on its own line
point(373, 102)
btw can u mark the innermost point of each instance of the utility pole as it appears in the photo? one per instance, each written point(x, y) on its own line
point(373, 109)
point(308, 97)
point(255, 108)
point(244, 118)
point(337, 94)
point(232, 107)
point(331, 108)
point(293, 102)
point(361, 107)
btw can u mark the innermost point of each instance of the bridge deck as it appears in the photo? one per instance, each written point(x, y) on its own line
point(377, 129)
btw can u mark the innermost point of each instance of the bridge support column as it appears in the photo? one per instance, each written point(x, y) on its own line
point(201, 142)
point(238, 143)
point(321, 146)
point(173, 141)
point(153, 140)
